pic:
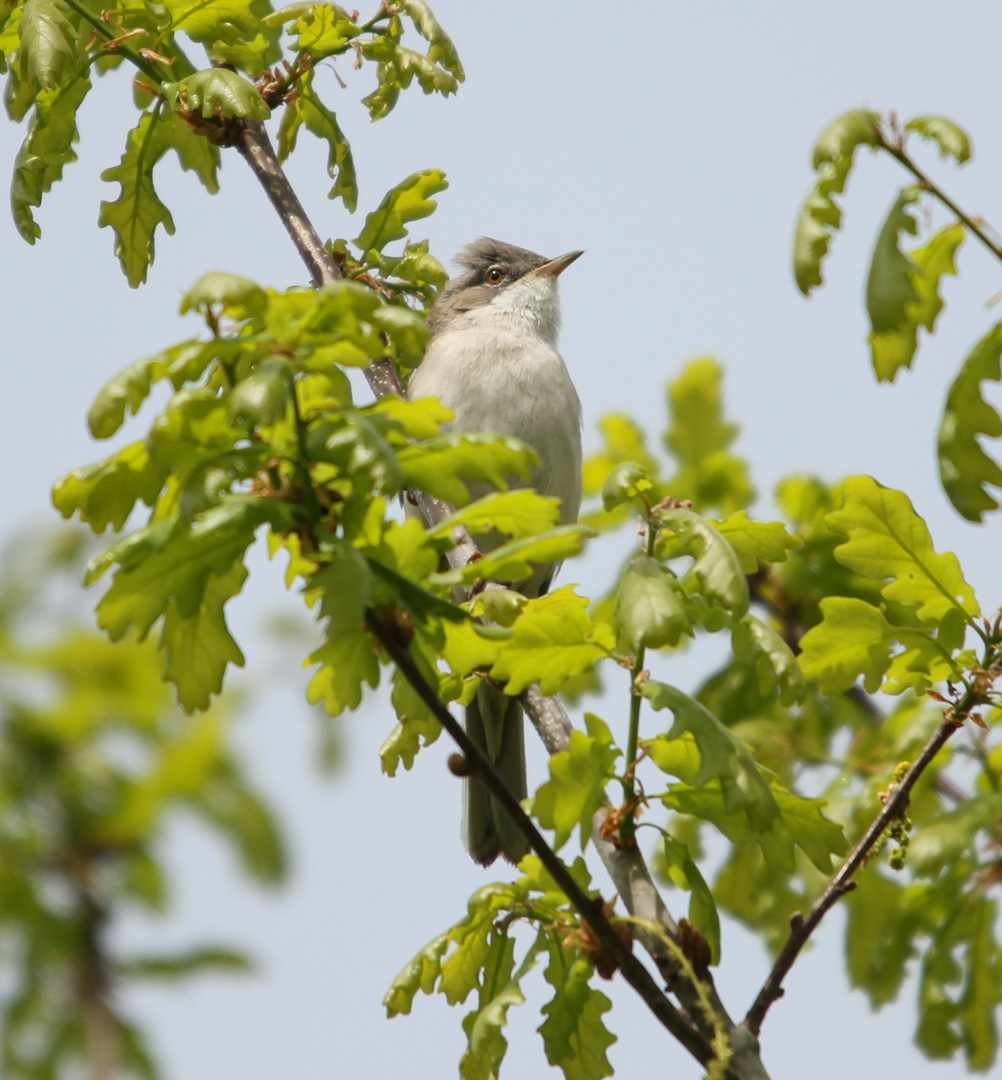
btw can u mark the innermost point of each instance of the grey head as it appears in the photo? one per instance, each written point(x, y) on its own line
point(491, 267)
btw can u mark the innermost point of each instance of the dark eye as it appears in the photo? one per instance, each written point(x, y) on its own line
point(495, 275)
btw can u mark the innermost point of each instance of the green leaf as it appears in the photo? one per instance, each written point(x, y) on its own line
point(756, 542)
point(964, 467)
point(421, 973)
point(650, 612)
point(951, 139)
point(716, 572)
point(263, 398)
point(348, 655)
point(217, 92)
point(699, 438)
point(409, 201)
point(216, 22)
point(902, 292)
point(355, 445)
point(182, 965)
point(398, 67)
point(105, 493)
point(516, 562)
point(487, 1046)
point(887, 539)
point(515, 514)
point(758, 644)
point(442, 51)
point(167, 562)
point(721, 755)
point(683, 872)
point(576, 788)
point(462, 968)
point(552, 639)
point(239, 297)
point(821, 217)
point(307, 110)
point(46, 150)
point(574, 1034)
point(889, 285)
point(198, 647)
point(626, 481)
point(49, 53)
point(321, 29)
point(136, 213)
point(443, 466)
point(852, 639)
point(623, 441)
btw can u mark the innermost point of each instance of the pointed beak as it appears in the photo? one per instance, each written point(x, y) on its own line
point(557, 266)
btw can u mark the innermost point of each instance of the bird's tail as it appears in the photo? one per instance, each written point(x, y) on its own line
point(494, 723)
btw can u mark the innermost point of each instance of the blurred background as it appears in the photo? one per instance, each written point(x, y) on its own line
point(672, 142)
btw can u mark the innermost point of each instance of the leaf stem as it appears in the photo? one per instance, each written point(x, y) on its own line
point(896, 150)
point(628, 829)
point(105, 32)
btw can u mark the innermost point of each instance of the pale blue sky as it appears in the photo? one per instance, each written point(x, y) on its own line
point(671, 141)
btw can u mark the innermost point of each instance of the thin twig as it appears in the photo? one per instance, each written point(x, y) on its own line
point(801, 928)
point(896, 149)
point(591, 909)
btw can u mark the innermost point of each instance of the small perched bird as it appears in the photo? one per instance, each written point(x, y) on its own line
point(492, 359)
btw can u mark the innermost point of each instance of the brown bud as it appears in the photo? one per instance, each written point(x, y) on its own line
point(458, 765)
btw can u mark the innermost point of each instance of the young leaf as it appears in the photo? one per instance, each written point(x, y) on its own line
point(198, 647)
point(105, 493)
point(574, 1034)
point(444, 465)
point(49, 52)
point(516, 561)
point(852, 639)
point(217, 91)
point(650, 612)
point(576, 788)
point(775, 665)
point(306, 109)
point(756, 542)
point(699, 438)
point(398, 67)
point(821, 216)
point(516, 514)
point(553, 639)
point(408, 201)
point(625, 482)
point(902, 292)
point(721, 755)
point(421, 973)
point(951, 139)
point(964, 468)
point(887, 539)
point(46, 150)
point(441, 51)
point(716, 572)
point(137, 211)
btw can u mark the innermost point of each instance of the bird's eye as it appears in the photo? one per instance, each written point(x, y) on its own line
point(495, 275)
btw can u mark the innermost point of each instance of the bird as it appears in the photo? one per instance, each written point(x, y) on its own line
point(492, 359)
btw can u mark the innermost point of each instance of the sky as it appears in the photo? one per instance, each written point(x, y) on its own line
point(672, 142)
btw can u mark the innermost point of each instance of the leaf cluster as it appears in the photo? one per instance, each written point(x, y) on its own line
point(94, 757)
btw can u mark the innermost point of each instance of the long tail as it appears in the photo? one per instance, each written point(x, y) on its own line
point(494, 723)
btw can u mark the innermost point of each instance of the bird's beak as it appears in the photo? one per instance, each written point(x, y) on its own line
point(557, 266)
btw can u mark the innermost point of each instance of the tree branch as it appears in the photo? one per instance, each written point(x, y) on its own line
point(801, 928)
point(591, 909)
